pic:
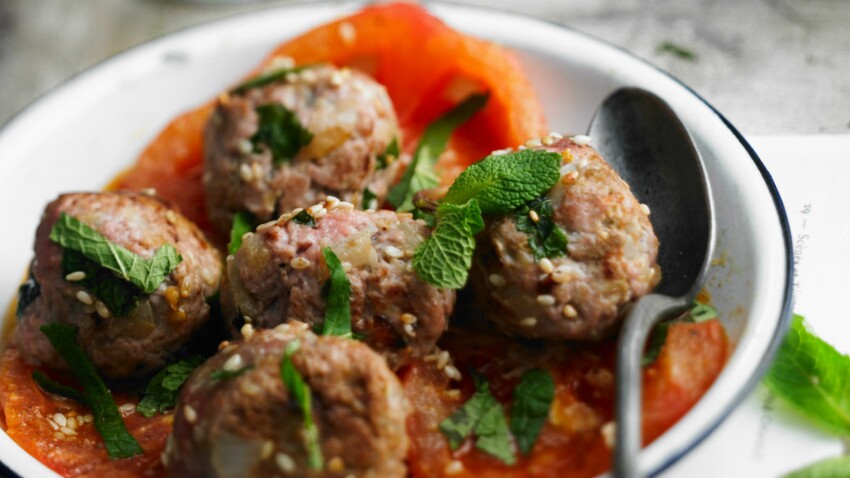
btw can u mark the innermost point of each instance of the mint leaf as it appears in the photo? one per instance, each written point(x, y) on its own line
point(391, 151)
point(267, 79)
point(219, 375)
point(532, 399)
point(27, 293)
point(494, 438)
point(304, 218)
point(50, 386)
point(370, 200)
point(445, 257)
point(337, 305)
point(162, 390)
point(107, 419)
point(146, 274)
point(504, 182)
point(656, 343)
point(243, 223)
point(420, 173)
point(813, 378)
point(545, 238)
point(838, 467)
point(300, 391)
point(119, 296)
point(676, 50)
point(280, 131)
point(700, 313)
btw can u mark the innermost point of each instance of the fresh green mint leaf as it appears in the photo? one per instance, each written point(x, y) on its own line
point(656, 342)
point(27, 293)
point(493, 436)
point(532, 399)
point(243, 223)
point(420, 173)
point(279, 130)
point(266, 79)
point(300, 391)
point(700, 313)
point(503, 182)
point(107, 418)
point(219, 375)
point(337, 305)
point(445, 257)
point(837, 467)
point(55, 388)
point(813, 378)
point(162, 390)
point(119, 296)
point(304, 218)
point(370, 200)
point(146, 274)
point(676, 50)
point(545, 238)
point(392, 151)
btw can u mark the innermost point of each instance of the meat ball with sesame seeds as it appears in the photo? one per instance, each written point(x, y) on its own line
point(316, 132)
point(137, 341)
point(250, 424)
point(279, 272)
point(608, 262)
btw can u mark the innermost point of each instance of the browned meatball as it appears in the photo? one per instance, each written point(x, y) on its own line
point(279, 272)
point(144, 339)
point(250, 425)
point(352, 122)
point(610, 259)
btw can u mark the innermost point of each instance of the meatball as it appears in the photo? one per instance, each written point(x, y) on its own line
point(352, 122)
point(250, 425)
point(142, 340)
point(610, 258)
point(279, 273)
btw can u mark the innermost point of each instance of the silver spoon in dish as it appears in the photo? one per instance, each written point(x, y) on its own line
point(644, 141)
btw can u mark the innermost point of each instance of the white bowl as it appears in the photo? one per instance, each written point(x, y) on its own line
point(83, 133)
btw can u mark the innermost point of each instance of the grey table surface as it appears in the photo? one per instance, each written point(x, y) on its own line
point(770, 66)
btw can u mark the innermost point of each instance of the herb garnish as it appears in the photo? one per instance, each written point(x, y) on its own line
point(27, 293)
point(391, 151)
point(300, 391)
point(279, 130)
point(55, 388)
point(532, 399)
point(221, 374)
point(420, 173)
point(698, 312)
point(162, 390)
point(107, 419)
point(243, 223)
point(337, 302)
point(545, 238)
point(484, 418)
point(119, 296)
point(370, 200)
point(495, 185)
point(836, 467)
point(676, 50)
point(267, 79)
point(304, 218)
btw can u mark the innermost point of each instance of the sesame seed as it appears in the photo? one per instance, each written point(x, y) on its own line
point(267, 449)
point(190, 413)
point(521, 147)
point(347, 32)
point(127, 408)
point(52, 423)
point(257, 169)
point(548, 141)
point(331, 202)
point(561, 276)
point(545, 299)
point(247, 331)
point(408, 318)
point(284, 462)
point(224, 98)
point(88, 418)
point(453, 394)
point(246, 173)
point(148, 191)
point(291, 77)
point(555, 135)
point(609, 434)
point(443, 359)
point(500, 152)
point(308, 76)
point(533, 215)
point(186, 287)
point(233, 363)
point(336, 79)
point(300, 263)
point(454, 467)
point(84, 297)
point(281, 62)
point(452, 372)
point(283, 219)
point(581, 139)
point(336, 464)
point(408, 329)
point(102, 310)
point(570, 311)
point(533, 143)
point(244, 146)
point(345, 205)
point(528, 322)
point(75, 276)
point(346, 266)
point(209, 276)
point(320, 213)
point(570, 177)
point(72, 423)
point(67, 431)
point(394, 252)
point(59, 436)
point(250, 388)
point(497, 280)
point(644, 209)
point(60, 419)
point(546, 265)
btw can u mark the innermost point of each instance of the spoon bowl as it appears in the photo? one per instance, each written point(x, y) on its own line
point(646, 143)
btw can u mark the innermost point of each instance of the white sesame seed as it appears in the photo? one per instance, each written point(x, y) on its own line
point(336, 79)
point(148, 191)
point(320, 213)
point(545, 299)
point(247, 331)
point(267, 449)
point(454, 467)
point(454, 393)
point(246, 173)
point(521, 147)
point(250, 388)
point(609, 434)
point(345, 205)
point(244, 146)
point(284, 462)
point(408, 318)
point(102, 310)
point(561, 276)
point(644, 209)
point(291, 77)
point(84, 297)
point(528, 322)
point(347, 32)
point(570, 311)
point(497, 280)
point(233, 363)
point(170, 216)
point(257, 169)
point(331, 202)
point(88, 418)
point(52, 423)
point(75, 276)
point(500, 152)
point(190, 413)
point(72, 423)
point(300, 263)
point(452, 372)
point(127, 408)
point(547, 141)
point(346, 266)
point(555, 135)
point(308, 76)
point(546, 265)
point(408, 329)
point(394, 252)
point(443, 359)
point(67, 431)
point(533, 215)
point(533, 143)
point(60, 419)
point(581, 139)
point(281, 62)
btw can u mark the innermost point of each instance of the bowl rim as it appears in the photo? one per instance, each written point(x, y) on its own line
point(340, 9)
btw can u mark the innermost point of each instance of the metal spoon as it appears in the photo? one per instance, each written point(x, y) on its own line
point(644, 141)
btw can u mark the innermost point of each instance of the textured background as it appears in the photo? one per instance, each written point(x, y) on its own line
point(771, 66)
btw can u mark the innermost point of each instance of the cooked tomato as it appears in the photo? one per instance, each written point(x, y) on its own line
point(426, 67)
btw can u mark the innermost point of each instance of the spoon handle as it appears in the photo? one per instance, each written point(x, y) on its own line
point(644, 315)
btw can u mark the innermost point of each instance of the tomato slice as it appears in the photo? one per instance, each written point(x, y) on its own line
point(426, 67)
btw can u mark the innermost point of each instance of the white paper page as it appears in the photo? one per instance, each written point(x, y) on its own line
point(762, 437)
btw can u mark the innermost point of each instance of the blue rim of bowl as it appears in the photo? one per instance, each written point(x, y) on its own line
point(785, 315)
